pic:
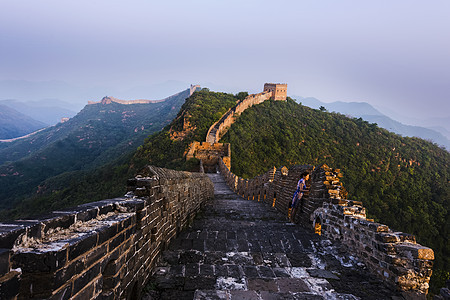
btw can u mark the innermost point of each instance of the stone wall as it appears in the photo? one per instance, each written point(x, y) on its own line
point(219, 128)
point(100, 249)
point(109, 99)
point(393, 256)
point(193, 88)
point(209, 154)
point(278, 90)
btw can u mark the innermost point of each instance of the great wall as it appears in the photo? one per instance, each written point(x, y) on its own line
point(109, 99)
point(109, 249)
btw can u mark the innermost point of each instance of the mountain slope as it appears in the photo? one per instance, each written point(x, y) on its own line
point(369, 113)
point(48, 111)
point(403, 182)
point(97, 135)
point(14, 124)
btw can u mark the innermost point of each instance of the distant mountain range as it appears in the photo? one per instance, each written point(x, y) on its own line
point(47, 111)
point(14, 123)
point(76, 97)
point(97, 135)
point(369, 113)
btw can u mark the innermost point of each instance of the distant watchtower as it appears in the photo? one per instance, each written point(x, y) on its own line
point(279, 90)
point(193, 88)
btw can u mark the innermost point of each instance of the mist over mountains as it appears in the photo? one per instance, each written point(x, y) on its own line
point(49, 101)
point(14, 123)
point(436, 134)
point(97, 136)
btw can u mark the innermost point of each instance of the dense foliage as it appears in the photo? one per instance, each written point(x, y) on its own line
point(403, 182)
point(78, 153)
point(38, 192)
point(201, 110)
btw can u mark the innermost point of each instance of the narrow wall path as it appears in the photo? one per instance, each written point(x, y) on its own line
point(242, 249)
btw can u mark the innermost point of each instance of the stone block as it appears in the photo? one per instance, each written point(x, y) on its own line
point(387, 237)
point(64, 275)
point(86, 278)
point(86, 293)
point(406, 237)
point(81, 245)
point(63, 221)
point(86, 214)
point(96, 254)
point(292, 285)
point(199, 283)
point(262, 284)
point(378, 227)
point(415, 251)
point(37, 261)
point(4, 261)
point(63, 293)
point(106, 232)
point(9, 234)
point(9, 285)
point(115, 242)
point(38, 285)
point(320, 273)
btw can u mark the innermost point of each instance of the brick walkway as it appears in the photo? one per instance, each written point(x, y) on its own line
point(241, 249)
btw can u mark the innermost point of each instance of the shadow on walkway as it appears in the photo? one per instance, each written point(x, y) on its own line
point(241, 249)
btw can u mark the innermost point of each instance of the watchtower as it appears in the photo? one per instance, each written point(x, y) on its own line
point(193, 88)
point(279, 90)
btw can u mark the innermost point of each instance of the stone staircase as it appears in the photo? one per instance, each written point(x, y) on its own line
point(242, 249)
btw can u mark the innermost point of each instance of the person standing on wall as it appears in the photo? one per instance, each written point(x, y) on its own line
point(298, 195)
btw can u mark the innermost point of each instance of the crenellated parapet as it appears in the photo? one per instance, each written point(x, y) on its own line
point(394, 256)
point(218, 129)
point(208, 150)
point(104, 249)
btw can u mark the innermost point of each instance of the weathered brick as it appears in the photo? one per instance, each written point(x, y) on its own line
point(9, 285)
point(84, 279)
point(416, 251)
point(82, 244)
point(4, 261)
point(387, 238)
point(41, 261)
point(115, 242)
point(106, 232)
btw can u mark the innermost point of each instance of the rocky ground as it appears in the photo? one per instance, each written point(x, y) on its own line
point(241, 249)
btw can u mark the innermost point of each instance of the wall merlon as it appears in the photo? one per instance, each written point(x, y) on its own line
point(100, 248)
point(393, 256)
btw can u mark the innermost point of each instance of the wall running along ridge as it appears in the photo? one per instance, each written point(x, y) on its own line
point(109, 99)
point(210, 151)
point(393, 256)
point(101, 249)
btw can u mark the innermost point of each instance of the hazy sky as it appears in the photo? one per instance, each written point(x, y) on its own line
point(389, 53)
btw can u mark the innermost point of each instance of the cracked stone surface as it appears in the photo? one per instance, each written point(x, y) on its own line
point(243, 249)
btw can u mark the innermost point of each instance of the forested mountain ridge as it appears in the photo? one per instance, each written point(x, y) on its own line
point(196, 116)
point(403, 182)
point(368, 113)
point(96, 136)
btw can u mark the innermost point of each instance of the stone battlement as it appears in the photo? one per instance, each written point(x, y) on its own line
point(102, 249)
point(271, 91)
point(108, 99)
point(394, 256)
point(278, 90)
point(207, 153)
